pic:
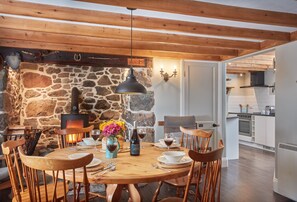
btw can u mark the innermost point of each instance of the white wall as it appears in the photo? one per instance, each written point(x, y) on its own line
point(167, 94)
point(286, 94)
point(257, 98)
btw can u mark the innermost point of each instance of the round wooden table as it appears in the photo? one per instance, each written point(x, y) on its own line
point(130, 170)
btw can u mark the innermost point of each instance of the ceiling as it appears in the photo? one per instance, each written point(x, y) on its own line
point(260, 62)
point(181, 29)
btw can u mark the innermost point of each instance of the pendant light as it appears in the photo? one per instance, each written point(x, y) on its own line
point(131, 85)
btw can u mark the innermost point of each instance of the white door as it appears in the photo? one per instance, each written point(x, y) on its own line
point(201, 86)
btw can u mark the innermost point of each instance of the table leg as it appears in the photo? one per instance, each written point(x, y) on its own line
point(134, 193)
point(113, 192)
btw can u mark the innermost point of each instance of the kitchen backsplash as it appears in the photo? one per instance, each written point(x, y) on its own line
point(257, 98)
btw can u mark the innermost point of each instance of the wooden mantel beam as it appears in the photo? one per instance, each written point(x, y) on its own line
point(103, 50)
point(116, 19)
point(112, 43)
point(209, 10)
point(113, 33)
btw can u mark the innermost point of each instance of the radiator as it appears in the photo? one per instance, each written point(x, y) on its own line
point(287, 170)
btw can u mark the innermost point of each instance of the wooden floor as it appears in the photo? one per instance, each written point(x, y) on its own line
point(246, 179)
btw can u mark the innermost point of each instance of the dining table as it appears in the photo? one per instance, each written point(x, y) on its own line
point(130, 170)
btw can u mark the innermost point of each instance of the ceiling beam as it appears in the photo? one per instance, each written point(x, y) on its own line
point(112, 43)
point(209, 10)
point(116, 19)
point(103, 50)
point(294, 36)
point(113, 33)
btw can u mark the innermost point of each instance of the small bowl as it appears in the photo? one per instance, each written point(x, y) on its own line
point(173, 156)
point(90, 141)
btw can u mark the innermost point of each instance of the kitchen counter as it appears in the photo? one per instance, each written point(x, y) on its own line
point(255, 114)
point(232, 116)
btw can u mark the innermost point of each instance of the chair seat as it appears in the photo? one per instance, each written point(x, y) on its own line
point(60, 192)
point(172, 199)
point(181, 182)
point(4, 174)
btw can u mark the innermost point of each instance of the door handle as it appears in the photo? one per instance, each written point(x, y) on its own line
point(215, 125)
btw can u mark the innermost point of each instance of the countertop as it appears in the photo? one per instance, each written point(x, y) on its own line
point(254, 114)
point(232, 116)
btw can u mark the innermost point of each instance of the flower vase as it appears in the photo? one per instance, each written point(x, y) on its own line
point(121, 141)
point(112, 141)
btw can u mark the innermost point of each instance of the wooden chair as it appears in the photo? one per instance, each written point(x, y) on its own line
point(64, 142)
point(39, 189)
point(69, 136)
point(13, 165)
point(193, 139)
point(212, 162)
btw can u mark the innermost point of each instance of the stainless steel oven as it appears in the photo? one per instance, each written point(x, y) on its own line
point(245, 125)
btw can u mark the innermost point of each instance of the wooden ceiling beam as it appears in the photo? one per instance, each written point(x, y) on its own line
point(113, 33)
point(294, 36)
point(209, 10)
point(116, 19)
point(112, 43)
point(103, 50)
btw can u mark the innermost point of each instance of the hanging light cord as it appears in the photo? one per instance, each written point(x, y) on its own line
point(131, 37)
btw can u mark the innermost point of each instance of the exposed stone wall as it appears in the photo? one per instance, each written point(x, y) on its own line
point(46, 92)
point(3, 101)
point(37, 94)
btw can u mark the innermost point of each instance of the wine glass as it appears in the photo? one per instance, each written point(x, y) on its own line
point(95, 134)
point(111, 147)
point(168, 140)
point(141, 134)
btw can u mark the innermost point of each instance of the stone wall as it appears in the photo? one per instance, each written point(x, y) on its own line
point(39, 93)
point(4, 102)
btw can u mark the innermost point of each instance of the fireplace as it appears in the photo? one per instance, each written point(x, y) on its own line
point(74, 119)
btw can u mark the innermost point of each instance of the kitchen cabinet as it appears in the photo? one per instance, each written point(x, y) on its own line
point(265, 130)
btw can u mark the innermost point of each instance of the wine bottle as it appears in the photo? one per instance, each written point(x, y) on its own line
point(134, 142)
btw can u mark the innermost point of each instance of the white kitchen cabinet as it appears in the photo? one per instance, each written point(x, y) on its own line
point(270, 131)
point(265, 130)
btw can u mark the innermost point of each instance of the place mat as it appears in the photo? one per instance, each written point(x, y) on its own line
point(162, 165)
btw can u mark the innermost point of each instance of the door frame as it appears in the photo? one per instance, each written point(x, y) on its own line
point(219, 94)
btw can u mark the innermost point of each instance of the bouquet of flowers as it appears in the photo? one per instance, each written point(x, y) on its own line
point(113, 128)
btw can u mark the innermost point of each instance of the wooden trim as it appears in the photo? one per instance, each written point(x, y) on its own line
point(108, 18)
point(113, 43)
point(103, 50)
point(209, 10)
point(113, 33)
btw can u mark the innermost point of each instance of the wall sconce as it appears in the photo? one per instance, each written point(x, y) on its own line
point(166, 75)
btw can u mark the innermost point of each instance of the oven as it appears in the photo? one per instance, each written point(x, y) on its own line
point(245, 127)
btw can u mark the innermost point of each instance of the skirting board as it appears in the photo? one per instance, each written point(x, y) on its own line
point(224, 162)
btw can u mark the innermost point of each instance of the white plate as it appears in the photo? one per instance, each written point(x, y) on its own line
point(90, 142)
point(82, 145)
point(184, 160)
point(174, 145)
point(93, 163)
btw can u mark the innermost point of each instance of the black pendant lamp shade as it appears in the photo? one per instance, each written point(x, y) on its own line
point(131, 85)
